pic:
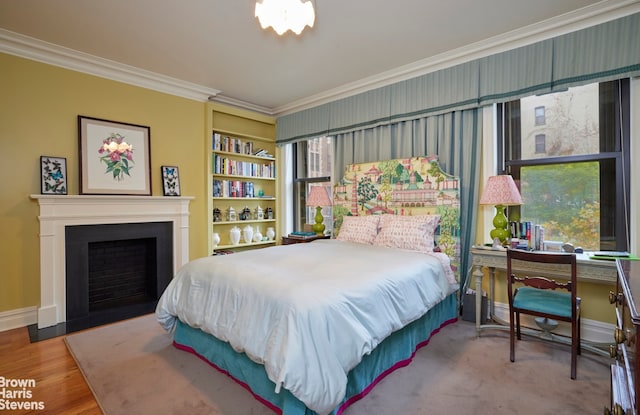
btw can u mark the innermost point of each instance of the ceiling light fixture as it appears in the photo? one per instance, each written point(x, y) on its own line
point(284, 15)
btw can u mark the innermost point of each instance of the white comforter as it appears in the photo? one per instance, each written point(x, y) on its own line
point(308, 312)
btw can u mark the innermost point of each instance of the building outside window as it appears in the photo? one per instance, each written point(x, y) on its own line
point(312, 167)
point(572, 170)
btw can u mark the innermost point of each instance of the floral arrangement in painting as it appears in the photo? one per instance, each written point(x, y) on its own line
point(117, 154)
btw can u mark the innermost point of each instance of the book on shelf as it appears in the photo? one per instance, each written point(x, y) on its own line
point(231, 144)
point(233, 188)
point(229, 166)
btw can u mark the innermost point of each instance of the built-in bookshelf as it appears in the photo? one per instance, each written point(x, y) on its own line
point(242, 178)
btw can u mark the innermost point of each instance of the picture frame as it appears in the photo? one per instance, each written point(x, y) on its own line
point(53, 175)
point(115, 157)
point(170, 181)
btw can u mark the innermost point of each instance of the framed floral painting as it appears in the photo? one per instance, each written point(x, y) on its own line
point(115, 157)
point(170, 181)
point(53, 175)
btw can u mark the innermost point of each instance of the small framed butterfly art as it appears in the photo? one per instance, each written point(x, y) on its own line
point(170, 181)
point(53, 175)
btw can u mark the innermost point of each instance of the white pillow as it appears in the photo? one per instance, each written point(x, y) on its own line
point(414, 233)
point(360, 229)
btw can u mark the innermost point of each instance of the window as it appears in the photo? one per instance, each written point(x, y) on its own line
point(312, 167)
point(571, 170)
point(540, 116)
point(541, 141)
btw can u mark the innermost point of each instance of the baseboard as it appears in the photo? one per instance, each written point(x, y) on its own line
point(20, 317)
point(591, 330)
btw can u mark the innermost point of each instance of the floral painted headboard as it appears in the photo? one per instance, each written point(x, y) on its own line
point(405, 187)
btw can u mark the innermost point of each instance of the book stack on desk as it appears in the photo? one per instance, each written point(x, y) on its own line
point(302, 235)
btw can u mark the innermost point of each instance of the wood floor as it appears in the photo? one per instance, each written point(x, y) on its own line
point(60, 385)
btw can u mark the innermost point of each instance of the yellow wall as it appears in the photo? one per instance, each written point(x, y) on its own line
point(39, 106)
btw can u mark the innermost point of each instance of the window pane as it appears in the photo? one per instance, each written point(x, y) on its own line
point(319, 155)
point(540, 118)
point(541, 143)
point(565, 200)
point(312, 168)
point(570, 123)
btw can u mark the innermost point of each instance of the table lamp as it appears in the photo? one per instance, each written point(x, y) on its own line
point(318, 197)
point(500, 191)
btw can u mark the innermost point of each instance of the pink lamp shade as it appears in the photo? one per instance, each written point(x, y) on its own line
point(501, 190)
point(318, 196)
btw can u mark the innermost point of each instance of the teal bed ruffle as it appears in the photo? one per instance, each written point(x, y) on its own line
point(394, 352)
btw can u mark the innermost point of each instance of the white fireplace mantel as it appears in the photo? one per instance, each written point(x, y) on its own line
point(58, 211)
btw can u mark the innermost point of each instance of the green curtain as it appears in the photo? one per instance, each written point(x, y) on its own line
point(603, 52)
point(455, 137)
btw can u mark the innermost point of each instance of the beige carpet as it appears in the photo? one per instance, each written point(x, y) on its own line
point(132, 368)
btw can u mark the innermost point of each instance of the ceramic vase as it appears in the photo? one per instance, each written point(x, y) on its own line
point(271, 233)
point(259, 213)
point(234, 235)
point(257, 235)
point(216, 239)
point(231, 214)
point(247, 234)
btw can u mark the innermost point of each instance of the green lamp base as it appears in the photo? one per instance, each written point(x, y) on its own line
point(500, 223)
point(318, 227)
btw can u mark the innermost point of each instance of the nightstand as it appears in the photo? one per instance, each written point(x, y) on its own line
point(286, 240)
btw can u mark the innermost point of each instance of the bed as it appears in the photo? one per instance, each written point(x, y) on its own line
point(311, 328)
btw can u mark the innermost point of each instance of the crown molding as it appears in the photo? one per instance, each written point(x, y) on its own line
point(570, 22)
point(30, 48)
point(242, 104)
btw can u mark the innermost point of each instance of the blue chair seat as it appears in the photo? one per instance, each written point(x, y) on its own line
point(543, 301)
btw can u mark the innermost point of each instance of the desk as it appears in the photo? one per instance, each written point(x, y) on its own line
point(589, 270)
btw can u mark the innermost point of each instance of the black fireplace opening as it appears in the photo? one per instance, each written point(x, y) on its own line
point(115, 271)
point(121, 273)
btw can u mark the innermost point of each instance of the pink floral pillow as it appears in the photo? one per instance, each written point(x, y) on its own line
point(414, 233)
point(360, 229)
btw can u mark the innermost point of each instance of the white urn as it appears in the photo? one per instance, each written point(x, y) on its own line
point(234, 235)
point(257, 235)
point(247, 233)
point(216, 239)
point(270, 233)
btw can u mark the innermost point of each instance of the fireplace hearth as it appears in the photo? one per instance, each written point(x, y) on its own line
point(115, 271)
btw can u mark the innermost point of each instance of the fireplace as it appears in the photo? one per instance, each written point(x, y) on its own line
point(59, 213)
point(115, 271)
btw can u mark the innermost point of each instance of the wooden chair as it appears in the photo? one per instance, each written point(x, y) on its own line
point(537, 295)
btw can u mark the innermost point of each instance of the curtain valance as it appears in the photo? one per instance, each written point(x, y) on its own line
point(603, 52)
